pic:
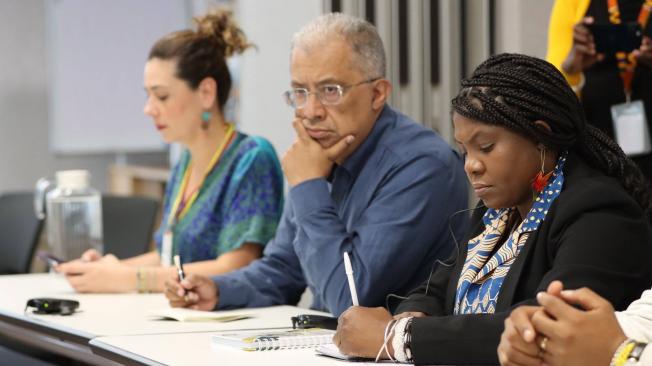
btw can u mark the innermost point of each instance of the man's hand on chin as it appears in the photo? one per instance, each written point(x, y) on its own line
point(306, 159)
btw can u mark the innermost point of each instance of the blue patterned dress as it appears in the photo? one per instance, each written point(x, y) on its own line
point(240, 201)
point(482, 276)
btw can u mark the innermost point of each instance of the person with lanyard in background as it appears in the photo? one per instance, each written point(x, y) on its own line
point(615, 88)
point(365, 179)
point(224, 197)
point(559, 200)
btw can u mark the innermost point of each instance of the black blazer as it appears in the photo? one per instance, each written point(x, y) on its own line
point(594, 235)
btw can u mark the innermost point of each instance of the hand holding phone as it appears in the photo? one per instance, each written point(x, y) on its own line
point(644, 54)
point(48, 258)
point(611, 38)
point(582, 54)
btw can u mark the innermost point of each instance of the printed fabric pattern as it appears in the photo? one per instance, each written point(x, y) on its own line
point(482, 276)
point(240, 201)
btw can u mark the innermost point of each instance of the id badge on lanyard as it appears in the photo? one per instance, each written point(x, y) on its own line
point(168, 235)
point(166, 248)
point(179, 207)
point(630, 123)
point(630, 127)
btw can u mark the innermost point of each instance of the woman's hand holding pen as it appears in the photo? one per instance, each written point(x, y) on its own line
point(195, 292)
point(360, 331)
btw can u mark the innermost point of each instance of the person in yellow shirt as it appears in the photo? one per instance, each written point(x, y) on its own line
point(603, 81)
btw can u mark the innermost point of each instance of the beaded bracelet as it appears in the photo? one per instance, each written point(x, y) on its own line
point(389, 329)
point(407, 340)
point(402, 340)
point(141, 285)
point(397, 340)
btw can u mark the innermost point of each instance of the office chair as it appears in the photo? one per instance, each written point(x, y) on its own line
point(127, 223)
point(19, 232)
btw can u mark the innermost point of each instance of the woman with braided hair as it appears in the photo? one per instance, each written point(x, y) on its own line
point(224, 198)
point(559, 201)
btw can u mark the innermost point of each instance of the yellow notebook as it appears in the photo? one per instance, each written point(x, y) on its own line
point(268, 340)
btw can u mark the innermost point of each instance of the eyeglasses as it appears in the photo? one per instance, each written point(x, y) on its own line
point(329, 94)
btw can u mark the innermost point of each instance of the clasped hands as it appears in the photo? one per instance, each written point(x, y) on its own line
point(306, 159)
point(572, 327)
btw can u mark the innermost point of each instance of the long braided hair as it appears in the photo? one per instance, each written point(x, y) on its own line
point(514, 91)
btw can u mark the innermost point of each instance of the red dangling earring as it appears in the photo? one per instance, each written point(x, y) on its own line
point(540, 180)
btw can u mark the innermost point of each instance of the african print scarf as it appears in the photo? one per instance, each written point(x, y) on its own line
point(482, 277)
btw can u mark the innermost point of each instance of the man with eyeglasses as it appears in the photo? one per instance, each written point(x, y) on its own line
point(364, 179)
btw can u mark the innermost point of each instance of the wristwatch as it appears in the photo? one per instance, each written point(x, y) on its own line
point(635, 354)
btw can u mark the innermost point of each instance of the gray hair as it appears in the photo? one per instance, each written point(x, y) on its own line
point(362, 36)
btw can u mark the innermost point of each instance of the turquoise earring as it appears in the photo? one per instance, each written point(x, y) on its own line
point(205, 119)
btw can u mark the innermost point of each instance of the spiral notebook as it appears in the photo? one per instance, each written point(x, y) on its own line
point(331, 350)
point(275, 339)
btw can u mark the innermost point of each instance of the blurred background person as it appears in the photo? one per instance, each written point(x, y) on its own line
point(606, 82)
point(224, 197)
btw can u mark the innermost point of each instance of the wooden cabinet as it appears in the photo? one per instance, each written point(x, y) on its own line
point(134, 180)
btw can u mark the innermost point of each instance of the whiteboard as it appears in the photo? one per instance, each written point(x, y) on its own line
point(96, 52)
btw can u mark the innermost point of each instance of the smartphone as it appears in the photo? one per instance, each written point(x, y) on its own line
point(611, 38)
point(48, 258)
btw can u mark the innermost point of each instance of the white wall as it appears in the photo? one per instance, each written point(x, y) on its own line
point(24, 144)
point(522, 26)
point(266, 72)
point(95, 54)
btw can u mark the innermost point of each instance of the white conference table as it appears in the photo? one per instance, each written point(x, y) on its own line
point(105, 315)
point(196, 349)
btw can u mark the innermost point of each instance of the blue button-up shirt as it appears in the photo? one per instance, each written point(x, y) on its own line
point(388, 205)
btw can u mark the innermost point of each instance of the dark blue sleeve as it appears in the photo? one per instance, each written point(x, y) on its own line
point(395, 232)
point(275, 279)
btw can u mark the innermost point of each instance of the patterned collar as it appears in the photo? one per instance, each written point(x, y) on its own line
point(482, 276)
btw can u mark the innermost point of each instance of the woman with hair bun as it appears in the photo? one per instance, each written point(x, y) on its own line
point(224, 198)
